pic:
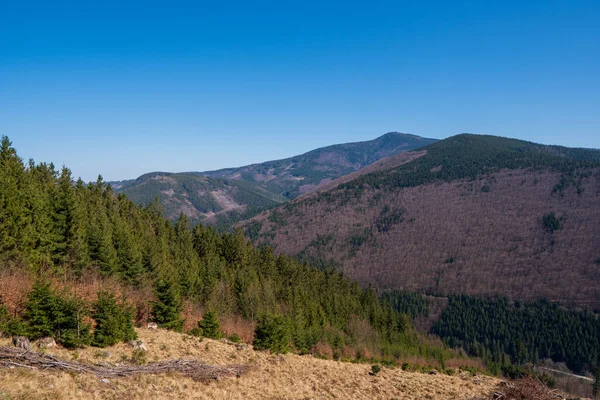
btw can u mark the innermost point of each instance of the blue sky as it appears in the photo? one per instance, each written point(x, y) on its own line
point(126, 89)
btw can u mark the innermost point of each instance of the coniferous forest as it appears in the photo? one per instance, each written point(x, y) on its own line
point(503, 333)
point(53, 227)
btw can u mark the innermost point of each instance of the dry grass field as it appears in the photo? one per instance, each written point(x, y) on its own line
point(270, 377)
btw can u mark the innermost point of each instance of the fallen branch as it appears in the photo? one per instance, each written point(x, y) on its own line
point(12, 356)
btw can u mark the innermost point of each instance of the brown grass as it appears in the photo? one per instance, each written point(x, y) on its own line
point(271, 377)
point(526, 389)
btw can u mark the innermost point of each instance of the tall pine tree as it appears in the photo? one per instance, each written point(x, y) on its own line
point(167, 308)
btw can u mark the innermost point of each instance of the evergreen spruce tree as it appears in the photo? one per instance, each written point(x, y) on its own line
point(596, 387)
point(63, 204)
point(185, 257)
point(272, 333)
point(40, 310)
point(77, 247)
point(13, 210)
point(61, 317)
point(167, 308)
point(129, 255)
point(114, 321)
point(37, 233)
point(4, 318)
point(70, 328)
point(209, 326)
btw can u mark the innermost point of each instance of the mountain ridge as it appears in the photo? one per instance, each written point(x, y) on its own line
point(225, 196)
point(341, 159)
point(468, 215)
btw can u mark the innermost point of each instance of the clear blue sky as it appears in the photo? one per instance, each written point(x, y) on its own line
point(126, 89)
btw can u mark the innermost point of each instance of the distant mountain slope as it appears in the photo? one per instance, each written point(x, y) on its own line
point(293, 176)
point(198, 197)
point(227, 196)
point(470, 214)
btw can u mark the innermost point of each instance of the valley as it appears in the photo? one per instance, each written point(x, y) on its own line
point(483, 226)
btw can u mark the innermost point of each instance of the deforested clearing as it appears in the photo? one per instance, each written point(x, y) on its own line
point(269, 376)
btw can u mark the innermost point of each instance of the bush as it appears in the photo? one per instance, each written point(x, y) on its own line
point(235, 338)
point(209, 326)
point(375, 369)
point(272, 333)
point(547, 380)
point(138, 357)
point(552, 222)
point(514, 372)
point(114, 321)
point(4, 319)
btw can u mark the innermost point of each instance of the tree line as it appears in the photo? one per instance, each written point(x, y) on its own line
point(506, 333)
point(53, 226)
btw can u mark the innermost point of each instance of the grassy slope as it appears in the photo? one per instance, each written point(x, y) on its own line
point(271, 377)
point(428, 225)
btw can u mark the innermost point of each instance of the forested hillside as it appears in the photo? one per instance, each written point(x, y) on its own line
point(470, 214)
point(53, 228)
point(211, 201)
point(293, 176)
point(224, 197)
point(502, 332)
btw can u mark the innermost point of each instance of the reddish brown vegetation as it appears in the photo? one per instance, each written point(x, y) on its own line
point(479, 237)
point(14, 287)
point(525, 389)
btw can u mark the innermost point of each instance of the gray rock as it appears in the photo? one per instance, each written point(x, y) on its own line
point(46, 343)
point(21, 342)
point(242, 346)
point(138, 345)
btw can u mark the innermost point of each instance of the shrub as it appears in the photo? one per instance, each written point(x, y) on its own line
point(514, 372)
point(209, 326)
point(4, 319)
point(138, 357)
point(552, 222)
point(547, 380)
point(235, 338)
point(272, 333)
point(195, 331)
point(375, 369)
point(114, 321)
